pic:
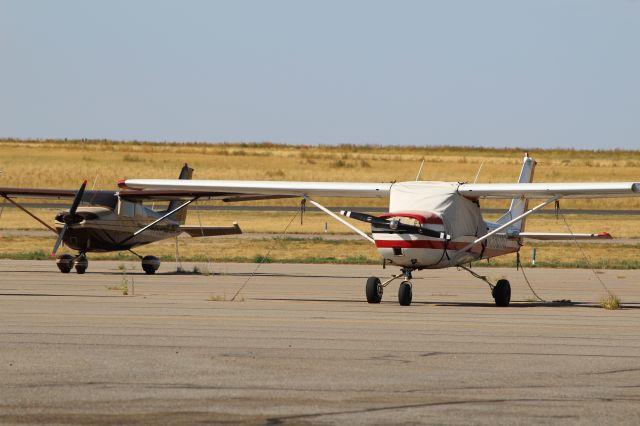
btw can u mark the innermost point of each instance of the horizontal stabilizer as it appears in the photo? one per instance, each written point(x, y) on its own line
point(551, 236)
point(211, 231)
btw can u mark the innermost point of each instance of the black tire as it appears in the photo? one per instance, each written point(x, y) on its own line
point(150, 264)
point(405, 293)
point(149, 270)
point(81, 264)
point(502, 293)
point(65, 263)
point(374, 290)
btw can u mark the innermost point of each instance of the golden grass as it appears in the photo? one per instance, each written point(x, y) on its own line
point(611, 302)
point(314, 222)
point(315, 250)
point(552, 254)
point(217, 298)
point(218, 249)
point(122, 288)
point(65, 164)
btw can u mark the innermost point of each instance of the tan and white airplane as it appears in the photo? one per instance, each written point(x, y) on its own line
point(115, 221)
point(429, 225)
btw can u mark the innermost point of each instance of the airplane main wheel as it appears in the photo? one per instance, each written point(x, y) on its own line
point(65, 263)
point(502, 293)
point(81, 264)
point(150, 264)
point(374, 290)
point(149, 270)
point(405, 294)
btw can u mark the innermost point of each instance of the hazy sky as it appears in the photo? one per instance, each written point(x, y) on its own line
point(485, 73)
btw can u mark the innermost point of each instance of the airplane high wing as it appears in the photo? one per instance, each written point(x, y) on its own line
point(546, 190)
point(221, 189)
point(429, 225)
point(100, 197)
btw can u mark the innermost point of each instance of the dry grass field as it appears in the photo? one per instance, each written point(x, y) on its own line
point(64, 164)
point(314, 222)
point(317, 250)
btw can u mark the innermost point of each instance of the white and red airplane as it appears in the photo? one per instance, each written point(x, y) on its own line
point(429, 225)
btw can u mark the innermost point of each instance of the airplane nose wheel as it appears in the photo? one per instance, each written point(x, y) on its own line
point(375, 288)
point(405, 293)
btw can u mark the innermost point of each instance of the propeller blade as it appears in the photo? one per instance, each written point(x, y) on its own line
point(69, 218)
point(59, 240)
point(77, 199)
point(363, 217)
point(393, 225)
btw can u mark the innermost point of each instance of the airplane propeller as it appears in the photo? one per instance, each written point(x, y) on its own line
point(70, 218)
point(394, 225)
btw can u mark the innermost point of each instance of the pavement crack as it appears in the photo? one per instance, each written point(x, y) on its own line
point(626, 370)
point(282, 419)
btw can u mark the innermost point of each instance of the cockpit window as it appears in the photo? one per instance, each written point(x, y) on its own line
point(126, 208)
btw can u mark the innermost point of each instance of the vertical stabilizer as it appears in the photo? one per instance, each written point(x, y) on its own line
point(186, 173)
point(519, 205)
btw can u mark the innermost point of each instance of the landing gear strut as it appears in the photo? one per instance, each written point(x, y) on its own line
point(374, 288)
point(501, 291)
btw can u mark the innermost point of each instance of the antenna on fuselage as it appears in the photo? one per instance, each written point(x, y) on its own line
point(420, 170)
point(478, 174)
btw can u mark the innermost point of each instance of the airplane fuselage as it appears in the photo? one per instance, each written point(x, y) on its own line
point(103, 229)
point(423, 252)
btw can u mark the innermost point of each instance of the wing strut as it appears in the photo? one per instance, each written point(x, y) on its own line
point(339, 219)
point(163, 217)
point(509, 223)
point(30, 214)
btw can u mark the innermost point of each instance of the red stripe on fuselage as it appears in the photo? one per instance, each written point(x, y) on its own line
point(430, 244)
point(440, 245)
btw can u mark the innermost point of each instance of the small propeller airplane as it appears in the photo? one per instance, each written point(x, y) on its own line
point(430, 225)
point(114, 221)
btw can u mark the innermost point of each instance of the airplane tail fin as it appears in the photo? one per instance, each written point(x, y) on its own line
point(186, 173)
point(519, 205)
